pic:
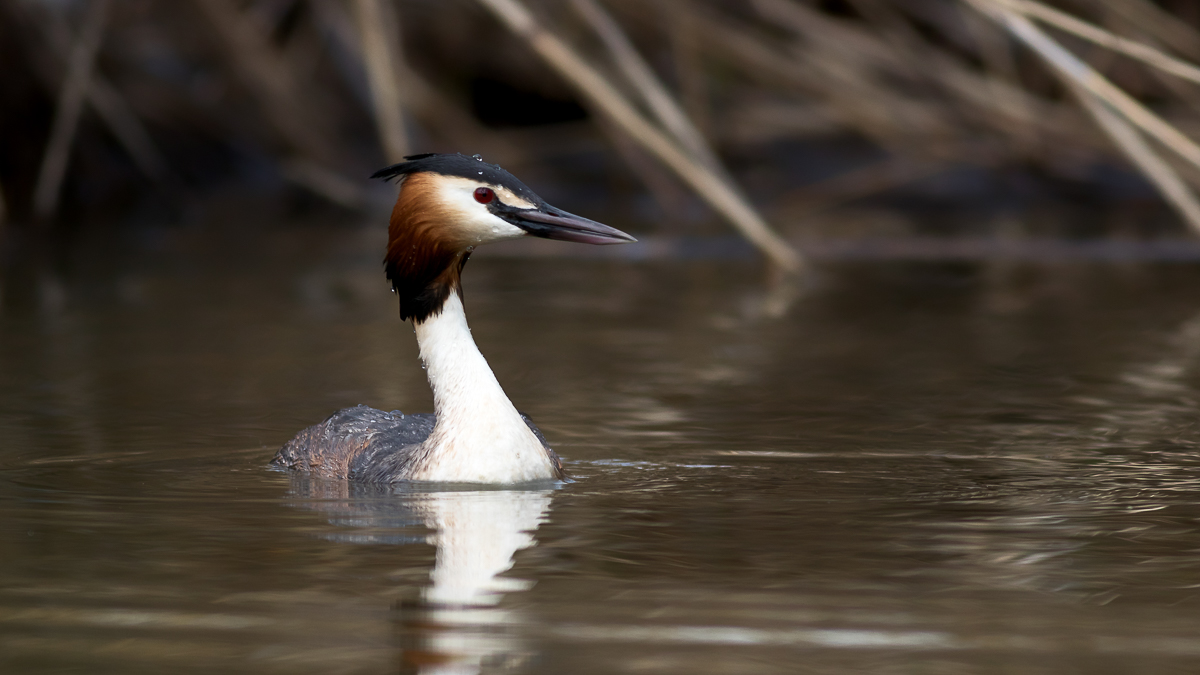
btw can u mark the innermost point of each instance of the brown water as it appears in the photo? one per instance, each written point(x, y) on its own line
point(915, 469)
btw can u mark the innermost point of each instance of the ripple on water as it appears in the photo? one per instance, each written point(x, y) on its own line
point(893, 477)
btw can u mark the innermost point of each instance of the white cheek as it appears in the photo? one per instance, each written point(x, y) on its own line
point(474, 221)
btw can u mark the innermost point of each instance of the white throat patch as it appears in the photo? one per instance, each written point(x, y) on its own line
point(473, 222)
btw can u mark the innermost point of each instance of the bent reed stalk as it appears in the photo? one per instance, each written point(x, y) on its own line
point(1102, 98)
point(324, 95)
point(595, 88)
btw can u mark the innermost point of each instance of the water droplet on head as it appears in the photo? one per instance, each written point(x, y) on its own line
point(478, 158)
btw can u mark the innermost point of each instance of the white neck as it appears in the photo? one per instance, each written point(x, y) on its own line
point(479, 437)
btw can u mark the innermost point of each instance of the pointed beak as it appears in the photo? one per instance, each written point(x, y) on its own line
point(549, 222)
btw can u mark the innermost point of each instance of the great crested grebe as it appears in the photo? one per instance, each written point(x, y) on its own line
point(448, 205)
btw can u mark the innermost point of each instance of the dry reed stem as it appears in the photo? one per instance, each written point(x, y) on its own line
point(1132, 48)
point(1165, 178)
point(1075, 70)
point(108, 102)
point(646, 83)
point(838, 60)
point(329, 184)
point(658, 179)
point(266, 75)
point(756, 121)
point(905, 42)
point(849, 57)
point(1079, 75)
point(604, 97)
point(267, 78)
point(444, 117)
point(996, 51)
point(687, 57)
point(992, 103)
point(379, 32)
point(886, 174)
point(769, 66)
point(993, 45)
point(115, 111)
point(1156, 22)
point(440, 115)
point(68, 109)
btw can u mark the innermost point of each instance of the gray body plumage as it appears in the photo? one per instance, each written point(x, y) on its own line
point(365, 444)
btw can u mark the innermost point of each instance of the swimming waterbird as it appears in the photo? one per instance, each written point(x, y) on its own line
point(448, 205)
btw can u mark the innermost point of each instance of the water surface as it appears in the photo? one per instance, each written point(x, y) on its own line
point(910, 468)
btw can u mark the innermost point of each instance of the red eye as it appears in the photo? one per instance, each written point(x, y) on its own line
point(484, 195)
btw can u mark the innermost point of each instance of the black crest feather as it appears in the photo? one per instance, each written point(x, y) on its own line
point(458, 164)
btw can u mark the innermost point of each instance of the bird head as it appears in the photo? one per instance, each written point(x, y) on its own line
point(448, 205)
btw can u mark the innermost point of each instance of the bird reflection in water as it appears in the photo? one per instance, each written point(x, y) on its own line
point(454, 626)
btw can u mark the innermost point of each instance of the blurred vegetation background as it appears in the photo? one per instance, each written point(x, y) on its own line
point(668, 117)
